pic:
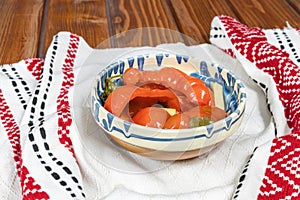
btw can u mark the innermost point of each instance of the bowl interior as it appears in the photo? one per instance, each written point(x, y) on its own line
point(219, 80)
point(229, 94)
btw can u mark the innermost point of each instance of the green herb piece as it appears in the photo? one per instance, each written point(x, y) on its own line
point(200, 121)
point(110, 86)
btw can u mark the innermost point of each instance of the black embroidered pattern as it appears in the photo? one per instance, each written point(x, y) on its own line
point(18, 83)
point(266, 89)
point(291, 46)
point(243, 176)
point(288, 46)
point(216, 32)
point(279, 40)
point(40, 120)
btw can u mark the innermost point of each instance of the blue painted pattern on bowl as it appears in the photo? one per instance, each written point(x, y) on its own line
point(229, 93)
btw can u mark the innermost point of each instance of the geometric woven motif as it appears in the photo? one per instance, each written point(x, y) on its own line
point(282, 175)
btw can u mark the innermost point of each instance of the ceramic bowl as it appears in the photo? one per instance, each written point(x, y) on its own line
point(173, 144)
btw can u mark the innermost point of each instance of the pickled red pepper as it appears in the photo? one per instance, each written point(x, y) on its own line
point(193, 88)
point(119, 98)
point(165, 88)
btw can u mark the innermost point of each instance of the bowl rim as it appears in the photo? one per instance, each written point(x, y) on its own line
point(202, 130)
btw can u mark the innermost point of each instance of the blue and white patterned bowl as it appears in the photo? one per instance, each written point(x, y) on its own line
point(173, 144)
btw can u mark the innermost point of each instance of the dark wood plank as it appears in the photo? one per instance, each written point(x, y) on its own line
point(19, 33)
point(128, 15)
point(295, 4)
point(194, 17)
point(267, 13)
point(86, 18)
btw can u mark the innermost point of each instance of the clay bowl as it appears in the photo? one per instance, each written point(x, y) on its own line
point(173, 144)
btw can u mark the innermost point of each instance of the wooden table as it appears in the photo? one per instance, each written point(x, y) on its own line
point(28, 26)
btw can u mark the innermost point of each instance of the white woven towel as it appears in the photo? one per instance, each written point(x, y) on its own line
point(53, 149)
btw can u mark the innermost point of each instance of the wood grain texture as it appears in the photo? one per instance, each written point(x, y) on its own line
point(194, 17)
point(296, 5)
point(28, 27)
point(86, 18)
point(128, 15)
point(267, 13)
point(20, 29)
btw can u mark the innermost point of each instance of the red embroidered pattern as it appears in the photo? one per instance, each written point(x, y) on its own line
point(282, 176)
point(34, 65)
point(229, 52)
point(63, 106)
point(252, 43)
point(30, 189)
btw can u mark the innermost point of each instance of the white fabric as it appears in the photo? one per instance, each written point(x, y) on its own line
point(109, 172)
point(112, 172)
point(288, 40)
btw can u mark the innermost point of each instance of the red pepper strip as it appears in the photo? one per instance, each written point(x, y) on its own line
point(131, 76)
point(203, 93)
point(177, 121)
point(217, 114)
point(120, 97)
point(182, 120)
point(151, 117)
point(138, 103)
point(193, 88)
